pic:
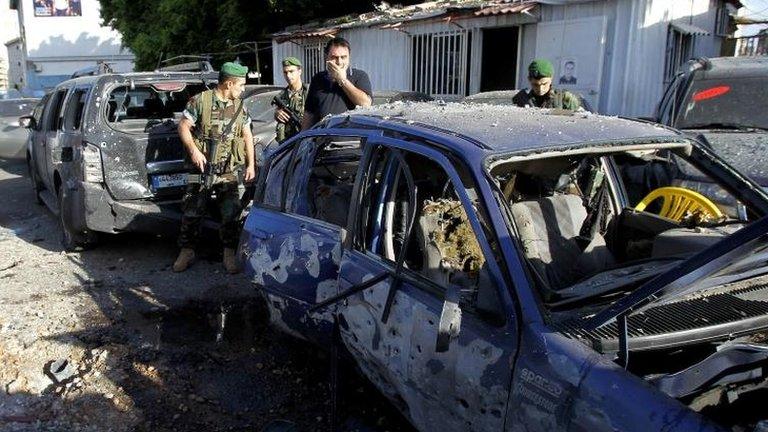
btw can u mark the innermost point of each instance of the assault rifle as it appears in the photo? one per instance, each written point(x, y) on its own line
point(213, 169)
point(210, 171)
point(294, 118)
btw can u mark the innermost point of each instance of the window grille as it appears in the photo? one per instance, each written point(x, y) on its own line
point(314, 60)
point(439, 63)
point(679, 50)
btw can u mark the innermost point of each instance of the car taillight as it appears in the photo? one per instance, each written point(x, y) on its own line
point(92, 168)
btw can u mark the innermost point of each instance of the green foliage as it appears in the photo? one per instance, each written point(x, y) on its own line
point(167, 28)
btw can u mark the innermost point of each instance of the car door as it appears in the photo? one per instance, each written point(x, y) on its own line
point(423, 321)
point(292, 236)
point(34, 132)
point(46, 157)
point(73, 112)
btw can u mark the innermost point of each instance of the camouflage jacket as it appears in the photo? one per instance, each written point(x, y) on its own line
point(556, 98)
point(295, 101)
point(211, 115)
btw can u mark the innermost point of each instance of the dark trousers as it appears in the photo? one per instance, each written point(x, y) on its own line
point(195, 205)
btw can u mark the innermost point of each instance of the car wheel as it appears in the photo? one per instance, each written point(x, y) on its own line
point(71, 239)
point(37, 186)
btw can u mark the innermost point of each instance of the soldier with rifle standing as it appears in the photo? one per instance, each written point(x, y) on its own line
point(289, 104)
point(216, 134)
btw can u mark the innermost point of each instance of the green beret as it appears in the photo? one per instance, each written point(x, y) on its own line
point(291, 61)
point(234, 70)
point(540, 68)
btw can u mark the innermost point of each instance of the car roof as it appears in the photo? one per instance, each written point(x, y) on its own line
point(508, 129)
point(726, 67)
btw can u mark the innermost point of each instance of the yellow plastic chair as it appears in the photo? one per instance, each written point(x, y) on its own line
point(679, 201)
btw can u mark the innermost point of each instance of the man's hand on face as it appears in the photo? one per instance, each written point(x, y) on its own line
point(282, 116)
point(198, 158)
point(338, 73)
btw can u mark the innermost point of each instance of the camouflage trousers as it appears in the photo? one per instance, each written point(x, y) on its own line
point(195, 206)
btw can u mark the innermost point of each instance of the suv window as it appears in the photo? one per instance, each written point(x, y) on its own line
point(442, 248)
point(134, 109)
point(712, 103)
point(52, 113)
point(37, 113)
point(73, 114)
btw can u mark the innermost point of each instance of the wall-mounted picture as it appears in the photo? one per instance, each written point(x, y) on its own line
point(568, 72)
point(57, 8)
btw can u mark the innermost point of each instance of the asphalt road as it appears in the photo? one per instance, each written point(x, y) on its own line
point(111, 339)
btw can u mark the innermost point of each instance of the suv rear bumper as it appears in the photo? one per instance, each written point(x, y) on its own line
point(91, 207)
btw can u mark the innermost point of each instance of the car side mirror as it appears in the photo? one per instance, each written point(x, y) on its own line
point(450, 319)
point(27, 122)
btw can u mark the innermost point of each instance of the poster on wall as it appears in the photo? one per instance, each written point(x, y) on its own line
point(568, 72)
point(54, 8)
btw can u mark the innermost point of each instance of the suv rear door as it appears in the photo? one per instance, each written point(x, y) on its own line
point(73, 113)
point(143, 155)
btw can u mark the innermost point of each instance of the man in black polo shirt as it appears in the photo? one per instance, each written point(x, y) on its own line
point(338, 88)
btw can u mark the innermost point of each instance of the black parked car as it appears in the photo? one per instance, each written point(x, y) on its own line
point(723, 102)
point(104, 154)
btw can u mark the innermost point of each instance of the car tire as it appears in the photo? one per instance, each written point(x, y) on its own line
point(71, 239)
point(37, 186)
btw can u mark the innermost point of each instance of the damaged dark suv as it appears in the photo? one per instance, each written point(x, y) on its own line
point(494, 268)
point(104, 154)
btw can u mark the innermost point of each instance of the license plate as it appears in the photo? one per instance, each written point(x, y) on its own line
point(168, 180)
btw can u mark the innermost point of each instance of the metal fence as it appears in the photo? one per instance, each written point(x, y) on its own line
point(752, 45)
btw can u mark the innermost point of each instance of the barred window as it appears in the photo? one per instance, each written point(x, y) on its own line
point(313, 58)
point(439, 63)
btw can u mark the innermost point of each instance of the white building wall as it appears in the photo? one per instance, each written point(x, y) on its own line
point(635, 47)
point(58, 46)
point(16, 73)
point(9, 30)
point(638, 81)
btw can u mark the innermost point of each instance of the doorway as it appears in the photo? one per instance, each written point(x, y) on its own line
point(499, 61)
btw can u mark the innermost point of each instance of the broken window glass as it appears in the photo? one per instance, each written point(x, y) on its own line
point(443, 249)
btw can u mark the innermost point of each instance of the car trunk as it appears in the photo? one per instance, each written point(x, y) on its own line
point(145, 165)
point(142, 154)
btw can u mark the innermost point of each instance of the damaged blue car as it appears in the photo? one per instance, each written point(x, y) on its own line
point(495, 268)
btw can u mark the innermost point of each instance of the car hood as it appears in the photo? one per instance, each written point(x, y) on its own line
point(735, 254)
point(746, 151)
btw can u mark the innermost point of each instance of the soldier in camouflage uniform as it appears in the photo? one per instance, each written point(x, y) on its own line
point(542, 95)
point(216, 116)
point(293, 95)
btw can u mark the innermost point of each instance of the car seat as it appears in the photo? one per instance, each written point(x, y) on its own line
point(549, 232)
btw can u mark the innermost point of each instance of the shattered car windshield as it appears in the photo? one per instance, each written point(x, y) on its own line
point(595, 226)
point(720, 103)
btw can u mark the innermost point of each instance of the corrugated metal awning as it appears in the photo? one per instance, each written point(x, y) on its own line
point(509, 8)
point(313, 33)
point(688, 29)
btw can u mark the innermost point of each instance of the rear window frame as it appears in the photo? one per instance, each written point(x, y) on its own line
point(117, 85)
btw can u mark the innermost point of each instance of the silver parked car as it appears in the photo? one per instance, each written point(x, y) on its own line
point(12, 135)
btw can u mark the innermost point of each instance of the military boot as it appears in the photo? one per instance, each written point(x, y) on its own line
point(230, 261)
point(185, 259)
